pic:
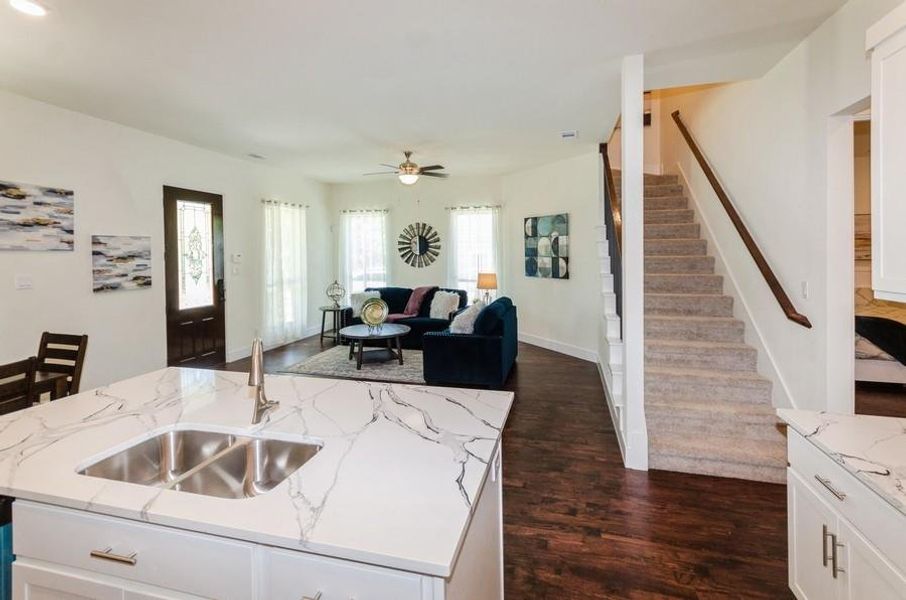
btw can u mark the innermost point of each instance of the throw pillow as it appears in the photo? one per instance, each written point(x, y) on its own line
point(357, 300)
point(443, 304)
point(464, 322)
point(416, 299)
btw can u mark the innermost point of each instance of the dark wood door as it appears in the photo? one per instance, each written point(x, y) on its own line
point(193, 246)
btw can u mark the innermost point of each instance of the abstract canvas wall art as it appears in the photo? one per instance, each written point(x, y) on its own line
point(120, 262)
point(33, 217)
point(547, 246)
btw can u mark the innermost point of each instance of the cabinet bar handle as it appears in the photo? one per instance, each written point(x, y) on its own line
point(834, 568)
point(824, 536)
point(315, 597)
point(106, 554)
point(830, 488)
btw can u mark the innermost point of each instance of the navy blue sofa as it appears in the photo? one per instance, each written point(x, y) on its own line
point(396, 299)
point(484, 357)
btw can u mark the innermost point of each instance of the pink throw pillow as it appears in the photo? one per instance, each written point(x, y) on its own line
point(415, 300)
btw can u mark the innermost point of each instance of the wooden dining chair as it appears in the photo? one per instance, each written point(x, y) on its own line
point(63, 353)
point(16, 381)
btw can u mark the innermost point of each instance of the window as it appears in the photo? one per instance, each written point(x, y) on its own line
point(363, 250)
point(473, 246)
point(285, 301)
point(195, 250)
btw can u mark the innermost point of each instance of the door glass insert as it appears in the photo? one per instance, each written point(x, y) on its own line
point(196, 254)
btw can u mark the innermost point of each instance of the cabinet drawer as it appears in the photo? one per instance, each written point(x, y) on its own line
point(295, 575)
point(878, 521)
point(188, 562)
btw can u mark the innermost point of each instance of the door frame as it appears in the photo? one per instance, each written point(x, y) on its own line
point(840, 299)
point(171, 293)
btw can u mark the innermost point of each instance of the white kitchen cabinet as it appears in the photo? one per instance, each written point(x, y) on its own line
point(886, 40)
point(867, 574)
point(845, 542)
point(48, 583)
point(810, 523)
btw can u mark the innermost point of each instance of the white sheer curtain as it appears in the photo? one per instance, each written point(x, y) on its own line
point(285, 294)
point(363, 249)
point(474, 241)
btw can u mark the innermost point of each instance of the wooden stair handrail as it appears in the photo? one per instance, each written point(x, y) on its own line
point(615, 202)
point(785, 303)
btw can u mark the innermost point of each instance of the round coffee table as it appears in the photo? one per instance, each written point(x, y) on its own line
point(359, 334)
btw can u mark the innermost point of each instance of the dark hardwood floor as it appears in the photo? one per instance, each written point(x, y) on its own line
point(884, 399)
point(578, 525)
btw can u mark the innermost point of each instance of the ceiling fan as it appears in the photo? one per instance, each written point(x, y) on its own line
point(409, 172)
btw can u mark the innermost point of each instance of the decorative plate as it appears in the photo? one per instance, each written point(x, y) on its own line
point(418, 245)
point(374, 312)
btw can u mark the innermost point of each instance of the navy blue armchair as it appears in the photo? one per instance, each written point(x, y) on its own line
point(482, 358)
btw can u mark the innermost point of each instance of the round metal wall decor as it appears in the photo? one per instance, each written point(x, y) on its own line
point(418, 245)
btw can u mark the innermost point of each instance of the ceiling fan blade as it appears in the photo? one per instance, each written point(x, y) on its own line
point(395, 167)
point(382, 173)
point(431, 168)
point(441, 175)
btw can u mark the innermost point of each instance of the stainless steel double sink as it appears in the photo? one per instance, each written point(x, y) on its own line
point(205, 462)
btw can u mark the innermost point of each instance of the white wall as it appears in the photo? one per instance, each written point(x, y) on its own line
point(558, 314)
point(651, 139)
point(768, 141)
point(117, 174)
point(425, 202)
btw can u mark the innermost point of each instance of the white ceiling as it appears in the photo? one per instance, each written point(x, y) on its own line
point(333, 87)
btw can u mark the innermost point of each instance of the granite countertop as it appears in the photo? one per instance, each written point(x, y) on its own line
point(871, 448)
point(394, 483)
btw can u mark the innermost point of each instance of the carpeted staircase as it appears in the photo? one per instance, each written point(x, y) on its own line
point(708, 410)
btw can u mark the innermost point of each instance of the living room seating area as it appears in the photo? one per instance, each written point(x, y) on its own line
point(479, 349)
point(421, 321)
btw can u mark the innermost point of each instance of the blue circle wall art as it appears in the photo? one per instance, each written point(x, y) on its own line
point(547, 246)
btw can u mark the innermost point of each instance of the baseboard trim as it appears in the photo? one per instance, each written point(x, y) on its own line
point(612, 408)
point(246, 351)
point(561, 347)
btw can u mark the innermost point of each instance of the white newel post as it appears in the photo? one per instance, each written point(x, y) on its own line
point(632, 162)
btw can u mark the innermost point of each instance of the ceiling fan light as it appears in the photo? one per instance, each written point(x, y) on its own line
point(28, 7)
point(408, 178)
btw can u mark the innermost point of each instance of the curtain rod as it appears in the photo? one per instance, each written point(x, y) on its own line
point(473, 207)
point(266, 201)
point(366, 210)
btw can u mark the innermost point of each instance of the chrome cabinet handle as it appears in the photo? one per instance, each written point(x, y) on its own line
point(834, 568)
point(830, 488)
point(824, 536)
point(106, 554)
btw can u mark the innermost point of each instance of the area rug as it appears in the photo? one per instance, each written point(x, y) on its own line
point(335, 363)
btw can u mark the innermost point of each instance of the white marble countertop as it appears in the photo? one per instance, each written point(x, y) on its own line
point(393, 485)
point(871, 448)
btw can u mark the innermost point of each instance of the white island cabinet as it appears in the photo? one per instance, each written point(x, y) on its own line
point(847, 506)
point(403, 501)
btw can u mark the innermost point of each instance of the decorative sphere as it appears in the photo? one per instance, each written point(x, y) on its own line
point(336, 292)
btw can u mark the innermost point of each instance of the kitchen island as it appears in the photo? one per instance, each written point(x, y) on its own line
point(401, 500)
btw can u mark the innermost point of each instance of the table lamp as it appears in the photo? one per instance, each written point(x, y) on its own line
point(487, 281)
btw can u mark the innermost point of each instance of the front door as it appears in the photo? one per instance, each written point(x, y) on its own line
point(193, 246)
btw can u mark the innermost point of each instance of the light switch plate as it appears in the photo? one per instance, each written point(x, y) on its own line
point(23, 282)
